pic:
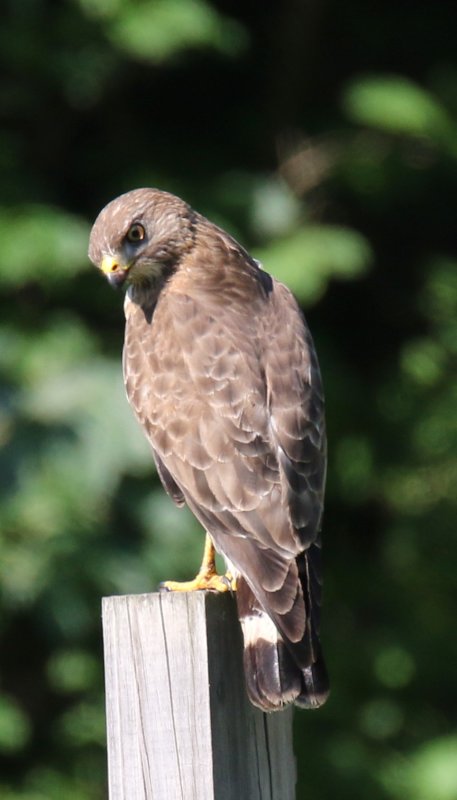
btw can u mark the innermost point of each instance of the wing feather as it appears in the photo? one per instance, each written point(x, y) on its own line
point(237, 428)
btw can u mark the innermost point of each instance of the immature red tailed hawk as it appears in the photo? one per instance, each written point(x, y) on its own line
point(221, 371)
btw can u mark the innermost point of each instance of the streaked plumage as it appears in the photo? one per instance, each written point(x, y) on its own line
point(222, 374)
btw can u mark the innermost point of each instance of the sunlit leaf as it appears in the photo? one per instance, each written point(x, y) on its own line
point(394, 103)
point(158, 30)
point(275, 209)
point(14, 726)
point(430, 773)
point(308, 258)
point(38, 243)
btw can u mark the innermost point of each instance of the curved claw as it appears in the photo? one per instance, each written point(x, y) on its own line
point(229, 581)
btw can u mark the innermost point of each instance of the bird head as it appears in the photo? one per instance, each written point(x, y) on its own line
point(141, 235)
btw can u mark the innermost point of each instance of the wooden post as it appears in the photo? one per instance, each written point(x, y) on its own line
point(180, 726)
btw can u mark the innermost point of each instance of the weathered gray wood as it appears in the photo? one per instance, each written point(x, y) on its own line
point(179, 724)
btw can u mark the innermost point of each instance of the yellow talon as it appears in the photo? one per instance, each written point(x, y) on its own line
point(212, 583)
point(207, 577)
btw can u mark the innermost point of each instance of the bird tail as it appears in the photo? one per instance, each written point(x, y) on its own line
point(274, 679)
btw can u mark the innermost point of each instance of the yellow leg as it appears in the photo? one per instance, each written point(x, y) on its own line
point(207, 577)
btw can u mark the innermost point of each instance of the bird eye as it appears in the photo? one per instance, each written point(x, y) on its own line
point(135, 233)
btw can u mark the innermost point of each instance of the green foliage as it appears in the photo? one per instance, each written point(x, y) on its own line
point(397, 105)
point(59, 240)
point(311, 256)
point(339, 175)
point(165, 28)
point(14, 726)
point(431, 773)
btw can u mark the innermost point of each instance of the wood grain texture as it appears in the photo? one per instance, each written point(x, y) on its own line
point(179, 724)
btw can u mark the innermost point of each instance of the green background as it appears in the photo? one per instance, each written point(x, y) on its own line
point(323, 135)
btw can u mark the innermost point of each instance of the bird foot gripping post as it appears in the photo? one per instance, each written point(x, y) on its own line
point(179, 723)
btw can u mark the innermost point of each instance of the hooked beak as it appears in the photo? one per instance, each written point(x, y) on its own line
point(114, 270)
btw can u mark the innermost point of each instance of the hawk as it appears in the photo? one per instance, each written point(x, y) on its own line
point(222, 374)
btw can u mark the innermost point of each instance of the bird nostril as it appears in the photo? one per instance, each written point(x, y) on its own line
point(110, 265)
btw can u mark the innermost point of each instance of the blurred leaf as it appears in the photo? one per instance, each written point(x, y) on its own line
point(38, 243)
point(423, 360)
point(354, 465)
point(64, 341)
point(397, 105)
point(14, 726)
point(24, 570)
point(72, 671)
point(178, 531)
point(381, 718)
point(430, 773)
point(84, 724)
point(394, 667)
point(158, 30)
point(438, 300)
point(275, 209)
point(44, 783)
point(416, 489)
point(91, 398)
point(308, 258)
point(101, 8)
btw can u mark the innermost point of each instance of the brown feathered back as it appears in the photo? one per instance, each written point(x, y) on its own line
point(221, 371)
